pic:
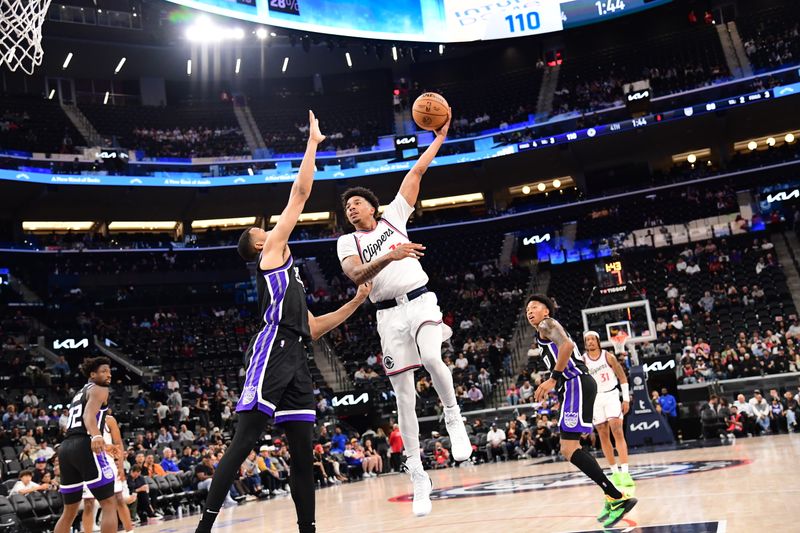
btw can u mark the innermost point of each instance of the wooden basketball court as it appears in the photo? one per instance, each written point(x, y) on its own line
point(748, 486)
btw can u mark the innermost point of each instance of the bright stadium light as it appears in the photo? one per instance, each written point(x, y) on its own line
point(541, 187)
point(188, 67)
point(349, 60)
point(52, 94)
point(526, 190)
point(692, 159)
point(250, 170)
point(67, 60)
point(285, 64)
point(273, 34)
point(770, 141)
point(441, 49)
point(105, 98)
point(789, 138)
point(261, 33)
point(394, 53)
point(752, 145)
point(556, 183)
point(203, 30)
point(238, 64)
point(120, 65)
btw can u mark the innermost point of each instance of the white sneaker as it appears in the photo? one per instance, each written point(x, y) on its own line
point(422, 489)
point(459, 440)
point(331, 481)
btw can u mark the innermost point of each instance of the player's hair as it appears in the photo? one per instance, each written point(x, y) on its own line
point(93, 363)
point(365, 193)
point(245, 248)
point(542, 299)
point(25, 473)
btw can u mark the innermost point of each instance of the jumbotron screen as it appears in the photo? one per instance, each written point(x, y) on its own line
point(437, 21)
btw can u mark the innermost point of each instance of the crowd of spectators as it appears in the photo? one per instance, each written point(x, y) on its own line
point(739, 417)
point(199, 141)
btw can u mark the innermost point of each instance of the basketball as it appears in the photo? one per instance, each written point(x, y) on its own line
point(430, 111)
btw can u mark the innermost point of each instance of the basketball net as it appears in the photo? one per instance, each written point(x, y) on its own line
point(21, 33)
point(618, 341)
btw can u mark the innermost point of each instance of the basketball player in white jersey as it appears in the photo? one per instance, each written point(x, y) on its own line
point(409, 320)
point(113, 449)
point(608, 411)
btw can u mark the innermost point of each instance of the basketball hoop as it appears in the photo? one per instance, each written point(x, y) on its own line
point(619, 340)
point(21, 33)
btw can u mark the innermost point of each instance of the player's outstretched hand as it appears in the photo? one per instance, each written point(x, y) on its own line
point(314, 134)
point(363, 291)
point(442, 132)
point(626, 406)
point(407, 249)
point(543, 389)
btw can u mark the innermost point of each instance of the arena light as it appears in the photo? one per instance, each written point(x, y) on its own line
point(120, 65)
point(441, 49)
point(273, 34)
point(691, 158)
point(142, 225)
point(789, 138)
point(236, 222)
point(348, 59)
point(250, 171)
point(450, 201)
point(105, 98)
point(526, 189)
point(67, 60)
point(770, 141)
point(204, 30)
point(285, 64)
point(698, 153)
point(52, 94)
point(394, 53)
point(238, 65)
point(56, 226)
point(556, 183)
point(306, 218)
point(752, 145)
point(541, 187)
point(188, 67)
point(261, 33)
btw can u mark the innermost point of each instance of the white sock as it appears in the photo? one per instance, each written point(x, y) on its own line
point(429, 342)
point(614, 469)
point(624, 468)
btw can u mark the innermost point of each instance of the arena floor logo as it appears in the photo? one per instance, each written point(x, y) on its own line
point(570, 479)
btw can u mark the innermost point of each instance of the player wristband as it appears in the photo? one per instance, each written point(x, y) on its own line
point(557, 375)
point(97, 437)
point(626, 393)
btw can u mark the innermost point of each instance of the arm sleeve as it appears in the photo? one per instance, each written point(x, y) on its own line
point(346, 246)
point(397, 212)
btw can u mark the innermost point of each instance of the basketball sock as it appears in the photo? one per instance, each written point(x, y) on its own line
point(406, 394)
point(249, 428)
point(589, 466)
point(300, 436)
point(624, 467)
point(429, 341)
point(614, 468)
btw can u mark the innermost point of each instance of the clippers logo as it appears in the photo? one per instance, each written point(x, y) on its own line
point(349, 399)
point(70, 344)
point(659, 366)
point(645, 426)
point(569, 480)
point(536, 239)
point(388, 362)
point(783, 196)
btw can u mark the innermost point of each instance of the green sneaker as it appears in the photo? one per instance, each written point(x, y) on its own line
point(625, 480)
point(616, 479)
point(618, 509)
point(604, 514)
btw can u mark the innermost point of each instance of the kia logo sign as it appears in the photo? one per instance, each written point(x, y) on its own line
point(70, 344)
point(642, 95)
point(405, 142)
point(659, 366)
point(536, 239)
point(782, 196)
point(349, 399)
point(645, 426)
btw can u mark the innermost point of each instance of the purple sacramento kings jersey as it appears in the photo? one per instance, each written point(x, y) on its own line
point(282, 299)
point(575, 365)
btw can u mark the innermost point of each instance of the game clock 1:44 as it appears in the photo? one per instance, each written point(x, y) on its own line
point(605, 7)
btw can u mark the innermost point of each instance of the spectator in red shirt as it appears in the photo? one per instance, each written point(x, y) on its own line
point(441, 456)
point(396, 445)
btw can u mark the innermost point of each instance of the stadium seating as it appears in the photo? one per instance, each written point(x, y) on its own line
point(34, 124)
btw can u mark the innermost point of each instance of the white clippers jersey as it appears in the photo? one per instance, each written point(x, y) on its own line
point(601, 371)
point(399, 277)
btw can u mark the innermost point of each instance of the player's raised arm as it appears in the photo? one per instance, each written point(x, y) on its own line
point(360, 273)
point(409, 189)
point(320, 325)
point(301, 190)
point(96, 397)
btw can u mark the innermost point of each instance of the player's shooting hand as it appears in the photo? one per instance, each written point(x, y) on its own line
point(543, 389)
point(408, 249)
point(626, 406)
point(113, 451)
point(314, 134)
point(98, 446)
point(363, 291)
point(442, 132)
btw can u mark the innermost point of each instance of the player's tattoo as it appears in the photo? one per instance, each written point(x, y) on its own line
point(372, 269)
point(551, 330)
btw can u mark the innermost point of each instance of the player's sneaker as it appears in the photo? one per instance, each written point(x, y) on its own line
point(459, 440)
point(604, 514)
point(625, 480)
point(422, 486)
point(617, 509)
